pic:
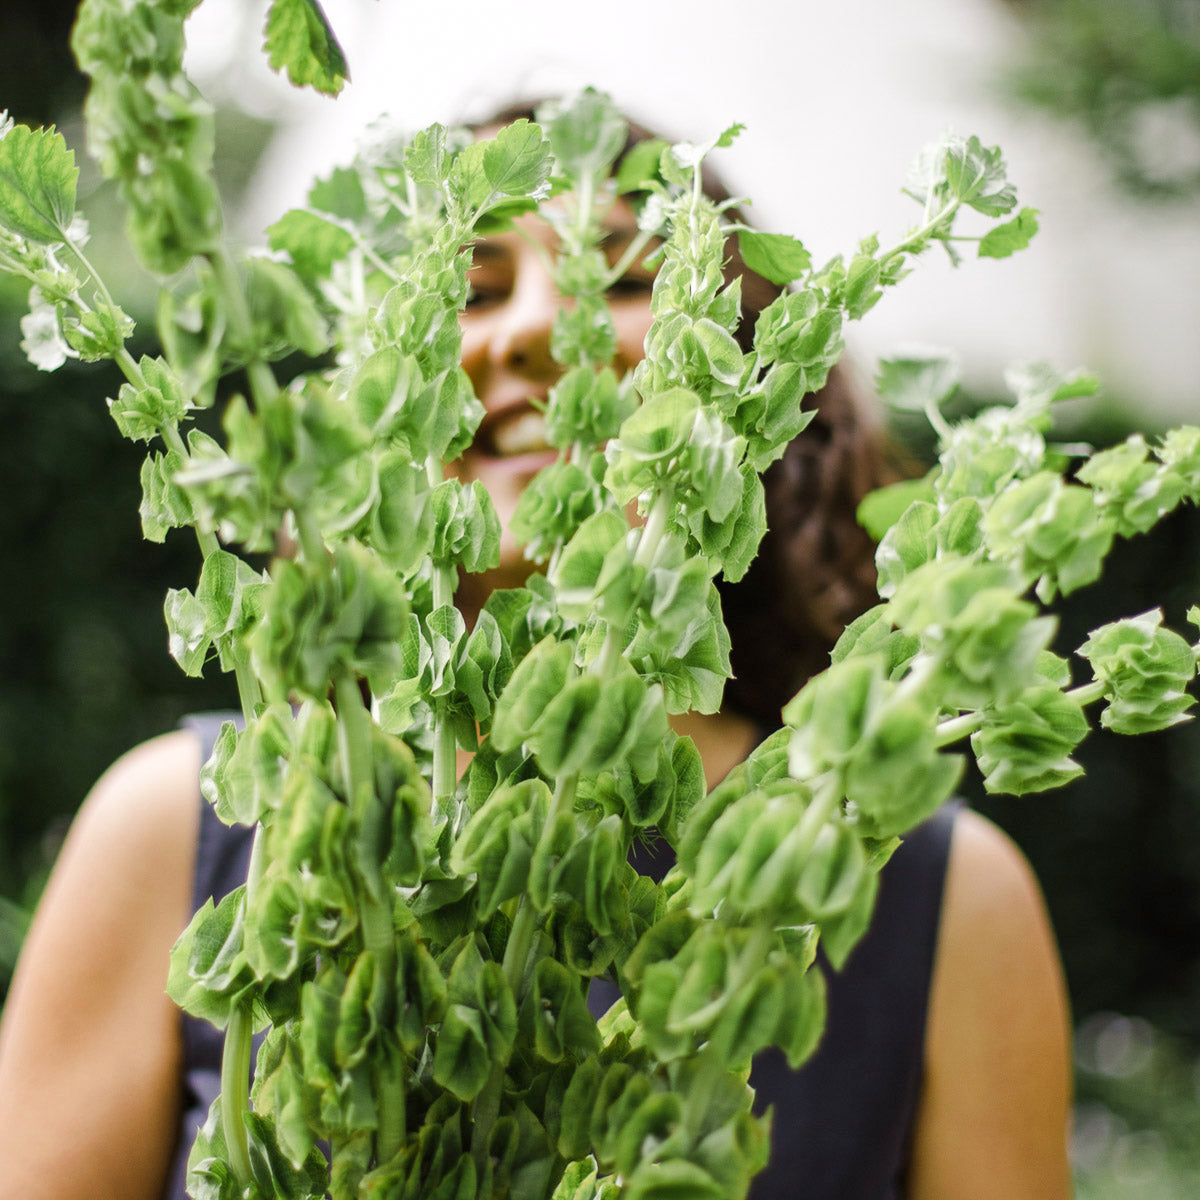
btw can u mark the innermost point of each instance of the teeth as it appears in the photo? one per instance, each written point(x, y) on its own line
point(521, 435)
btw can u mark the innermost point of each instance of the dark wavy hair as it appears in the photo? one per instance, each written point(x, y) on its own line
point(815, 569)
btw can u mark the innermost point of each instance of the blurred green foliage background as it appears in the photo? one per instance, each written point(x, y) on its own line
point(84, 672)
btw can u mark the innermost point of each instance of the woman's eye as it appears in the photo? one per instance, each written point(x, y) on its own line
point(481, 295)
point(632, 285)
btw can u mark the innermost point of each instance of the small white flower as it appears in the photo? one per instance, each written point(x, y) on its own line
point(6, 123)
point(78, 231)
point(43, 341)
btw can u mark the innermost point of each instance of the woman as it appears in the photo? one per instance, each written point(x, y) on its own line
point(92, 1052)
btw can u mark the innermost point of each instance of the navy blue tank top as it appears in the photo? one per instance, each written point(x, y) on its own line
point(843, 1123)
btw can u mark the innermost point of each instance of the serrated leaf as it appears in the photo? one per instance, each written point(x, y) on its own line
point(425, 155)
point(517, 160)
point(313, 243)
point(340, 194)
point(587, 132)
point(37, 183)
point(775, 256)
point(467, 180)
point(1010, 237)
point(976, 175)
point(299, 39)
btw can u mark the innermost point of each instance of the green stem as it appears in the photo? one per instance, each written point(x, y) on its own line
point(583, 215)
point(129, 368)
point(956, 728)
point(375, 260)
point(235, 1053)
point(445, 758)
point(309, 536)
point(655, 528)
point(235, 1097)
point(920, 234)
point(96, 280)
point(937, 422)
point(1088, 693)
point(627, 259)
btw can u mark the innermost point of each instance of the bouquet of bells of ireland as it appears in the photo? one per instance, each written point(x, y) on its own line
point(419, 947)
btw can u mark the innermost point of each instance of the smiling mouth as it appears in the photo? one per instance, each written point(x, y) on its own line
point(512, 433)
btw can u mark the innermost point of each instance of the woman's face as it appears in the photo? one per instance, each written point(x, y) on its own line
point(506, 352)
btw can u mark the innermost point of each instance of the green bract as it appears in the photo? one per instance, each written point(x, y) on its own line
point(420, 945)
point(1144, 670)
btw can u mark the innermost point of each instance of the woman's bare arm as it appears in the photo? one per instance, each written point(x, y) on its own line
point(993, 1120)
point(89, 1046)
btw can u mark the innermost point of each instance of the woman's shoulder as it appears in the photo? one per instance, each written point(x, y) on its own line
point(90, 1042)
point(149, 792)
point(996, 1092)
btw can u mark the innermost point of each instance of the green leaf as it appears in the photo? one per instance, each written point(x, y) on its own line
point(1039, 384)
point(37, 183)
point(466, 528)
point(675, 1179)
point(553, 506)
point(517, 161)
point(209, 974)
point(283, 313)
point(881, 509)
point(340, 194)
point(917, 378)
point(976, 175)
point(777, 257)
point(1053, 532)
point(1010, 237)
point(164, 505)
point(467, 181)
point(639, 168)
point(140, 413)
point(425, 156)
point(187, 630)
point(298, 39)
point(578, 569)
point(541, 675)
point(587, 132)
point(313, 243)
point(863, 289)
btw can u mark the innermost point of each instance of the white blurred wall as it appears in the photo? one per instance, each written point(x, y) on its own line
point(837, 99)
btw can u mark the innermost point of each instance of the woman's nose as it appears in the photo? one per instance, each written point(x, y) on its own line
point(520, 341)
